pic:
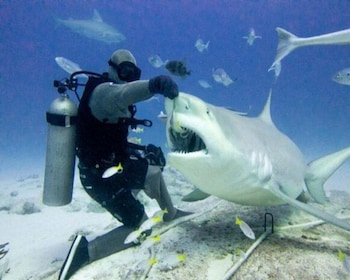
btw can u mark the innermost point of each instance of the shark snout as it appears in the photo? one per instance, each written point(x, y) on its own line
point(175, 124)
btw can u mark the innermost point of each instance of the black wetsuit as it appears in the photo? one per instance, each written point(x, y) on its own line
point(101, 145)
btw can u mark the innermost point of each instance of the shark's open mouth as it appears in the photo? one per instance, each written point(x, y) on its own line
point(186, 141)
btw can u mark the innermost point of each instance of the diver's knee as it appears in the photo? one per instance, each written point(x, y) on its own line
point(127, 209)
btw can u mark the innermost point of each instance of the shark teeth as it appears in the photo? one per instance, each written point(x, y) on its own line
point(186, 141)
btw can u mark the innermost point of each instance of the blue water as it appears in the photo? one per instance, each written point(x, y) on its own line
point(307, 105)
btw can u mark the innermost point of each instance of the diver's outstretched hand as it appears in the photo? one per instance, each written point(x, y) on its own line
point(164, 85)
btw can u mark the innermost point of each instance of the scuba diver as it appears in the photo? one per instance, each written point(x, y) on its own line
point(105, 114)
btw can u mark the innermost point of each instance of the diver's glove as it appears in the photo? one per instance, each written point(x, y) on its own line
point(164, 85)
point(155, 155)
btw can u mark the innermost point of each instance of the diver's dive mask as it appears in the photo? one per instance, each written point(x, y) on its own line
point(127, 71)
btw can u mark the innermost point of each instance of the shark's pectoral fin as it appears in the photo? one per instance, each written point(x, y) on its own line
point(320, 170)
point(310, 209)
point(196, 195)
point(303, 197)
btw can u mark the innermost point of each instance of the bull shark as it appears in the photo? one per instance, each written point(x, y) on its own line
point(245, 160)
point(94, 28)
point(287, 42)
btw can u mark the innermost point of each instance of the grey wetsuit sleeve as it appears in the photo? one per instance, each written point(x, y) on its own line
point(110, 101)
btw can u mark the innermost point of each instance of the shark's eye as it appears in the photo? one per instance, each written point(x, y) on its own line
point(208, 112)
point(186, 107)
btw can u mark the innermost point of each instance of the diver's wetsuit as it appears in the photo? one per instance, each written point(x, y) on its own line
point(103, 121)
point(101, 145)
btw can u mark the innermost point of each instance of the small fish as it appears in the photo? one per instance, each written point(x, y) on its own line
point(153, 98)
point(149, 242)
point(152, 261)
point(68, 65)
point(135, 140)
point(137, 130)
point(241, 253)
point(162, 116)
point(251, 37)
point(220, 76)
point(155, 219)
point(342, 77)
point(156, 61)
point(171, 261)
point(109, 172)
point(204, 84)
point(344, 260)
point(177, 68)
point(201, 46)
point(133, 236)
point(245, 228)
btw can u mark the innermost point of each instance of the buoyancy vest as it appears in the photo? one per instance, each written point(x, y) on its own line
point(101, 141)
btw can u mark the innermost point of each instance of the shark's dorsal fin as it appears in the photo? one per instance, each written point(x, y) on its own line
point(96, 16)
point(265, 115)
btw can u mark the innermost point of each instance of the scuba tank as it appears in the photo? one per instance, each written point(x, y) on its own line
point(61, 139)
point(60, 149)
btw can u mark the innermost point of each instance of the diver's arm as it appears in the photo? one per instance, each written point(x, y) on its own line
point(134, 92)
point(110, 101)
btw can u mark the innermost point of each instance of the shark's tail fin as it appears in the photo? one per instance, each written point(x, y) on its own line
point(320, 170)
point(285, 45)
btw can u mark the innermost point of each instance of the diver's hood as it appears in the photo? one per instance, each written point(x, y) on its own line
point(118, 57)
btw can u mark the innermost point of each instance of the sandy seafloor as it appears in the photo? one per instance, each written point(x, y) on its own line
point(40, 237)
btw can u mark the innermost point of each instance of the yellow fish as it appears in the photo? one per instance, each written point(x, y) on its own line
point(133, 236)
point(109, 172)
point(245, 228)
point(345, 261)
point(149, 242)
point(152, 261)
point(155, 219)
point(171, 261)
point(137, 130)
point(135, 140)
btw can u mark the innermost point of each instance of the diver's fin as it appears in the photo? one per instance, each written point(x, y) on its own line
point(311, 210)
point(196, 195)
point(320, 170)
point(110, 243)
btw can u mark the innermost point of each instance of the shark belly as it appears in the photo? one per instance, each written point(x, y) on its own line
point(244, 172)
